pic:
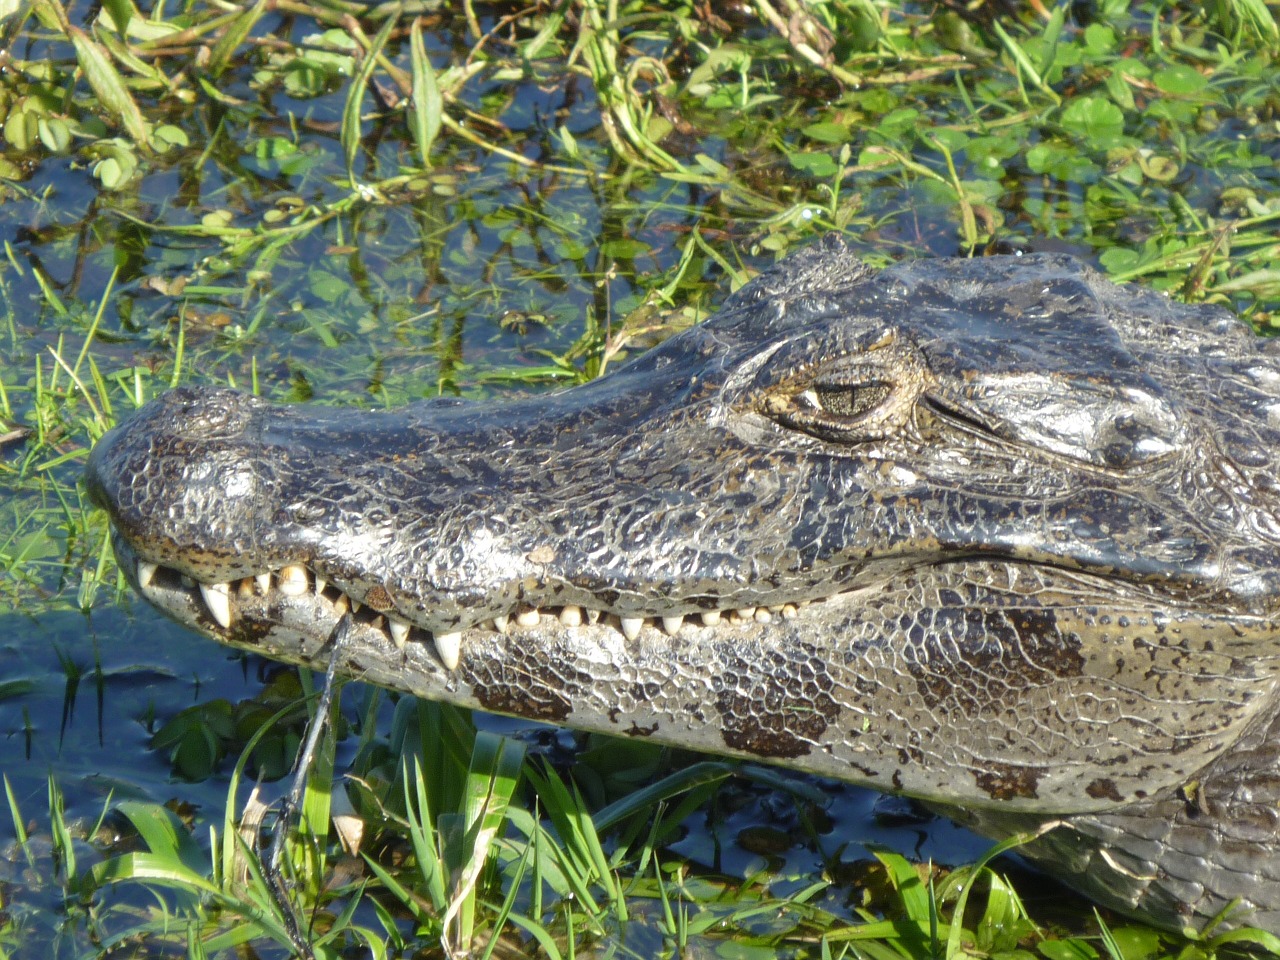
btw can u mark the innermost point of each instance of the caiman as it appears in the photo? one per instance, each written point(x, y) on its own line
point(996, 534)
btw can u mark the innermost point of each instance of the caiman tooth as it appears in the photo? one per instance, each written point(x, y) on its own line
point(746, 613)
point(631, 626)
point(399, 631)
point(593, 617)
point(673, 624)
point(710, 617)
point(320, 585)
point(355, 605)
point(263, 580)
point(763, 615)
point(146, 573)
point(529, 618)
point(293, 580)
point(217, 597)
point(789, 611)
point(449, 647)
point(500, 623)
point(342, 604)
point(571, 616)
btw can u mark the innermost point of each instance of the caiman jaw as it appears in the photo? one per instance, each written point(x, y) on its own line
point(224, 602)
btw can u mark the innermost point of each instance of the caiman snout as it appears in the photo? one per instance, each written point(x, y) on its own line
point(182, 457)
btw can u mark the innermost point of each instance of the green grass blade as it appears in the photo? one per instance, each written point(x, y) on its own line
point(580, 853)
point(163, 833)
point(423, 837)
point(19, 825)
point(704, 774)
point(976, 871)
point(109, 86)
point(317, 800)
point(350, 130)
point(491, 780)
point(1024, 63)
point(428, 104)
point(236, 33)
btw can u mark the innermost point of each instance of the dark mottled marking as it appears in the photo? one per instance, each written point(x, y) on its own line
point(520, 684)
point(250, 632)
point(1018, 647)
point(1104, 789)
point(778, 712)
point(536, 701)
point(647, 691)
point(378, 599)
point(1003, 782)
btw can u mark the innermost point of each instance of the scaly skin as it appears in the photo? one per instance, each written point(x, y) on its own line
point(996, 534)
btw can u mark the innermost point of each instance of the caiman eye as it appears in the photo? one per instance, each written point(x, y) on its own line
point(852, 400)
point(858, 397)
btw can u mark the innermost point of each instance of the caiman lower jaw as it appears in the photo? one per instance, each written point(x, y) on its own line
point(221, 601)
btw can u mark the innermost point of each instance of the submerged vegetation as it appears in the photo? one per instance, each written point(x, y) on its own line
point(322, 200)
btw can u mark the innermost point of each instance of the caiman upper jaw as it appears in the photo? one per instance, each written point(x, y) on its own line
point(182, 454)
point(222, 606)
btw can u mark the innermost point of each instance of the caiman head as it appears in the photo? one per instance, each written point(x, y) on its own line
point(988, 532)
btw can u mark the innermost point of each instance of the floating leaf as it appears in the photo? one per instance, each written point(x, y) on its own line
point(1098, 122)
point(1119, 260)
point(827, 132)
point(1073, 949)
point(326, 286)
point(1099, 39)
point(306, 77)
point(167, 135)
point(1118, 89)
point(1063, 162)
point(117, 166)
point(1180, 79)
point(819, 165)
point(55, 134)
point(22, 127)
point(217, 218)
point(1159, 168)
point(624, 249)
